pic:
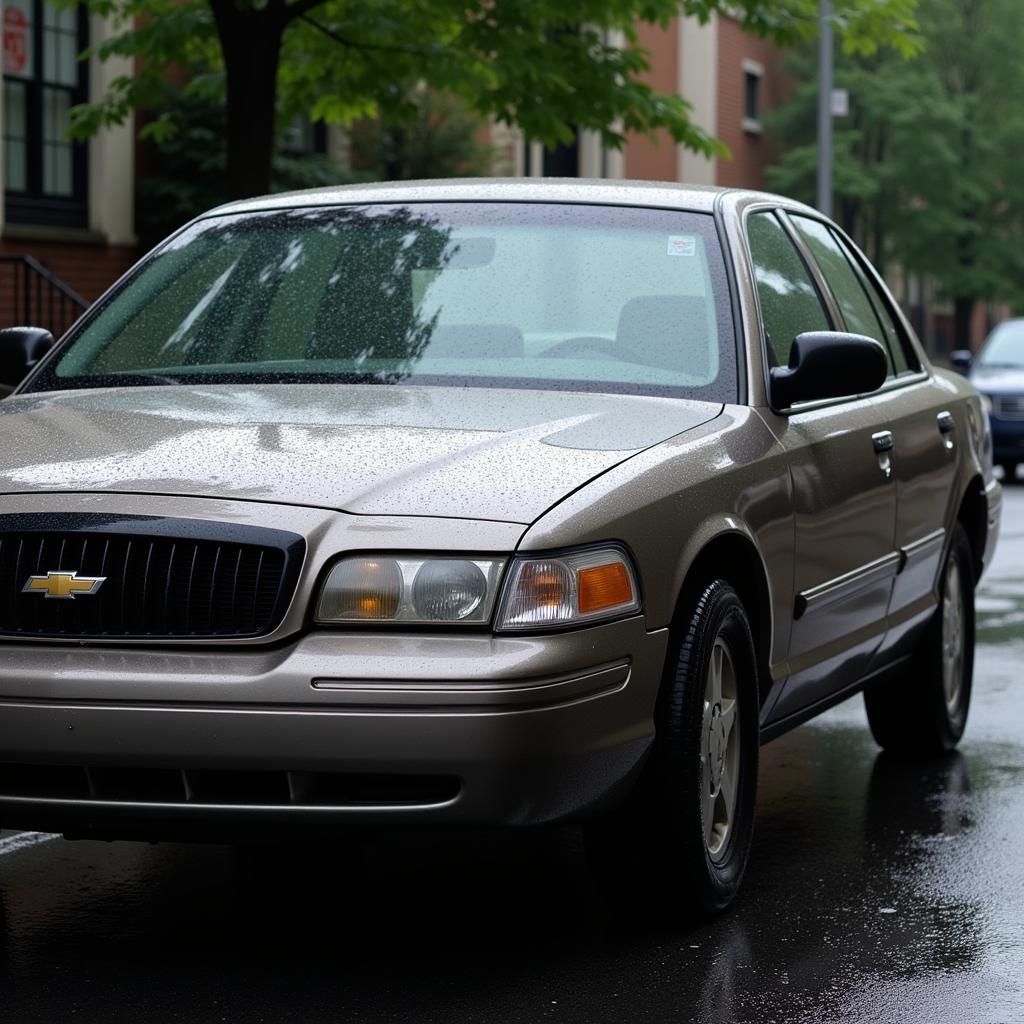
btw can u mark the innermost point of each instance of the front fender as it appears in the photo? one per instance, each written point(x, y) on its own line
point(726, 478)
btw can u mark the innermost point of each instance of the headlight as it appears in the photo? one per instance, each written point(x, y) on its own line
point(540, 592)
point(374, 588)
point(568, 590)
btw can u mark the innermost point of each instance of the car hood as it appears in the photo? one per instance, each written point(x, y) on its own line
point(998, 380)
point(479, 453)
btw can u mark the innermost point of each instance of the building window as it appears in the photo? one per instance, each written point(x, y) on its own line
point(753, 72)
point(304, 138)
point(753, 106)
point(44, 173)
point(563, 161)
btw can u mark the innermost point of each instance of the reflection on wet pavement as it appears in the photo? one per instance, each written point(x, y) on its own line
point(878, 891)
point(1000, 609)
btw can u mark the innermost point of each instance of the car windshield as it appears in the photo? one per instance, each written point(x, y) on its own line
point(1005, 348)
point(490, 294)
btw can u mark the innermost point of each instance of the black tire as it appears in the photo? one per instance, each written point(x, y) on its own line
point(654, 855)
point(924, 713)
point(1009, 471)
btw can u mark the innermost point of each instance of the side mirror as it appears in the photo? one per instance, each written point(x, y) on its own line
point(20, 349)
point(961, 359)
point(828, 364)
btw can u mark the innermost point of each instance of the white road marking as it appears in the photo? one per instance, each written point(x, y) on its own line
point(21, 841)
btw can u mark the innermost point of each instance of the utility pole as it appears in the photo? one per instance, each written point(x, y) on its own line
point(825, 110)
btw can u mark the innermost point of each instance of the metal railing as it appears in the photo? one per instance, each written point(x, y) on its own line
point(30, 295)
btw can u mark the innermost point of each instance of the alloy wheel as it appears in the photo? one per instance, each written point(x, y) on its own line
point(720, 750)
point(952, 638)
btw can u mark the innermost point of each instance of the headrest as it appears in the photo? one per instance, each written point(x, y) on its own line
point(476, 341)
point(668, 331)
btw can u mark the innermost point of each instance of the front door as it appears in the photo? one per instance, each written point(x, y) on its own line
point(844, 498)
point(844, 491)
point(925, 434)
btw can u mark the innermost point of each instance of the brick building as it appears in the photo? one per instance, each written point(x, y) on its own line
point(730, 79)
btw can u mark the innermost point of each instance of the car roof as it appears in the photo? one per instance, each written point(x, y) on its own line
point(698, 198)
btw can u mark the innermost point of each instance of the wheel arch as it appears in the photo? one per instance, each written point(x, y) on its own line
point(731, 553)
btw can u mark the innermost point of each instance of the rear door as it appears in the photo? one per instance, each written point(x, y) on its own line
point(844, 492)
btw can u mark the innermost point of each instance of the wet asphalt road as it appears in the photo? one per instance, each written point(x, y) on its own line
point(877, 892)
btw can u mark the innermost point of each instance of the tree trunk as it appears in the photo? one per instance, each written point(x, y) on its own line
point(963, 313)
point(251, 43)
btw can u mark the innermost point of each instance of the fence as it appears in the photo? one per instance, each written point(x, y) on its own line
point(31, 296)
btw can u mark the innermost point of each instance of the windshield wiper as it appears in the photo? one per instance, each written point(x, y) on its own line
point(149, 378)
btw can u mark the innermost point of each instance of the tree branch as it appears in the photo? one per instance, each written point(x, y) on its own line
point(350, 43)
point(299, 8)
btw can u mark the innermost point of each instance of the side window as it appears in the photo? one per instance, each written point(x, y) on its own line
point(894, 335)
point(860, 305)
point(790, 304)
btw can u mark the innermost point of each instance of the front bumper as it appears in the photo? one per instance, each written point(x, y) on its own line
point(330, 729)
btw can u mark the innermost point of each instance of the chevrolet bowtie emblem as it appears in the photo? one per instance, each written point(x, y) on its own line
point(64, 586)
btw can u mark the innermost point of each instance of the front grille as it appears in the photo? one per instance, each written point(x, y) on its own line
point(1008, 407)
point(222, 787)
point(162, 578)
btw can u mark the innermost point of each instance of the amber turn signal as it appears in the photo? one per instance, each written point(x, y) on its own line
point(603, 587)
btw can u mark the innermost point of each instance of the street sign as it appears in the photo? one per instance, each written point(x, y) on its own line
point(840, 103)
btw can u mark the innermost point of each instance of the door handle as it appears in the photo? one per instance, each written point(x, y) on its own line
point(946, 422)
point(882, 441)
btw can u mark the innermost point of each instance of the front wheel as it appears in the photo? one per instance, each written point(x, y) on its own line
point(681, 843)
point(926, 713)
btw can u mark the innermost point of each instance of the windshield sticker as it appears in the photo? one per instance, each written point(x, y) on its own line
point(682, 245)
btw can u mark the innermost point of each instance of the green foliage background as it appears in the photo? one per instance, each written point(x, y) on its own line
point(184, 172)
point(546, 66)
point(928, 171)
